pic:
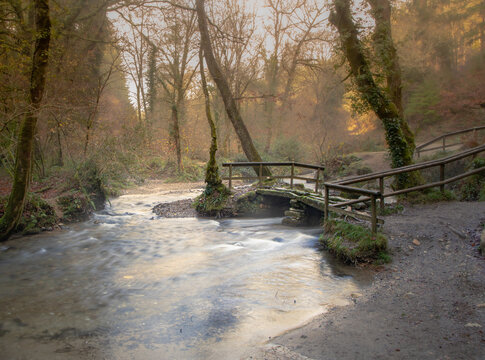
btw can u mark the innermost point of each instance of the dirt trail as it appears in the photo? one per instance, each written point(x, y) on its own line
point(428, 304)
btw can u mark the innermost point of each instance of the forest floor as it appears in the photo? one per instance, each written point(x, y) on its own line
point(429, 303)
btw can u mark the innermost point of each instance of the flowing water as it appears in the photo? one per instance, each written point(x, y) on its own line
point(126, 285)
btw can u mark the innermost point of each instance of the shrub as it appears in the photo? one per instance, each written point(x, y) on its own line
point(473, 187)
point(429, 196)
point(75, 206)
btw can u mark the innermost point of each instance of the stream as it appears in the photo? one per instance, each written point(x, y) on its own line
point(129, 285)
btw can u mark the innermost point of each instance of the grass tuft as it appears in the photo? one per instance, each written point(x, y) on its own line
point(353, 243)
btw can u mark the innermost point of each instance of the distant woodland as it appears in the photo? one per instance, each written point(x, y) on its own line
point(115, 86)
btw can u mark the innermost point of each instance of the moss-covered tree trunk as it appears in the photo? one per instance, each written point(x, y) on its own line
point(221, 82)
point(25, 144)
point(212, 177)
point(380, 102)
point(387, 55)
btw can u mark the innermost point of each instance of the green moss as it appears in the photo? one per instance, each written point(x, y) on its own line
point(249, 203)
point(353, 243)
point(38, 215)
point(212, 201)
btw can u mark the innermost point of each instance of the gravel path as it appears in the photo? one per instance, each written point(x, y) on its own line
point(428, 304)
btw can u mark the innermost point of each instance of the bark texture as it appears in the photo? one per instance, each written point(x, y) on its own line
point(387, 54)
point(23, 160)
point(221, 82)
point(212, 177)
point(381, 104)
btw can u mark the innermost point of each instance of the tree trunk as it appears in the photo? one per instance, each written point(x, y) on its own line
point(60, 158)
point(380, 103)
point(387, 53)
point(212, 177)
point(176, 136)
point(221, 82)
point(23, 161)
point(269, 106)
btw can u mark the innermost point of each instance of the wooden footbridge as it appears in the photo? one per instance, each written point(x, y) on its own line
point(370, 190)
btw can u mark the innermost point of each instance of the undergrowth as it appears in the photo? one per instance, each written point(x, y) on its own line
point(428, 196)
point(473, 187)
point(354, 244)
point(37, 216)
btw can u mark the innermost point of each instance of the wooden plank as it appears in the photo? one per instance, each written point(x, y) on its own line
point(351, 202)
point(360, 216)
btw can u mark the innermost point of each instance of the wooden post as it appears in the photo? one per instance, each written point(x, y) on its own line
point(381, 189)
point(374, 214)
point(317, 180)
point(444, 143)
point(292, 174)
point(442, 177)
point(230, 177)
point(325, 187)
point(260, 175)
point(418, 152)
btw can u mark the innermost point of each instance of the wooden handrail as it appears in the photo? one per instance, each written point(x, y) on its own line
point(353, 189)
point(260, 177)
point(420, 147)
point(250, 164)
point(414, 167)
point(373, 195)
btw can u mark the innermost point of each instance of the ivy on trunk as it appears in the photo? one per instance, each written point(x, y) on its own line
point(380, 102)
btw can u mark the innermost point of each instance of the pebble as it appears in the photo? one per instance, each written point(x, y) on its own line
point(416, 242)
point(473, 325)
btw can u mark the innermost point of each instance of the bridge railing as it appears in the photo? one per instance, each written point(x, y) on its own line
point(292, 166)
point(381, 194)
point(424, 147)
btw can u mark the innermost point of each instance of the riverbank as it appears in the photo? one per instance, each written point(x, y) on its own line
point(429, 303)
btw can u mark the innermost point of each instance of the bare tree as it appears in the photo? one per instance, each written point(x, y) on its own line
point(221, 82)
point(178, 49)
